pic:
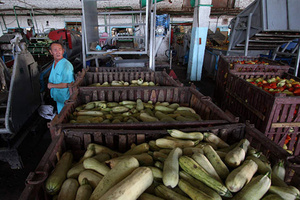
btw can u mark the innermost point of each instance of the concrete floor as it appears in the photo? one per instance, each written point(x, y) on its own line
point(33, 147)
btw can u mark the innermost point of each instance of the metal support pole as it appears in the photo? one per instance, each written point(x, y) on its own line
point(233, 34)
point(298, 62)
point(248, 33)
point(151, 66)
point(83, 44)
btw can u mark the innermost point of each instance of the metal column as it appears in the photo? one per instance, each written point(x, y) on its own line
point(198, 39)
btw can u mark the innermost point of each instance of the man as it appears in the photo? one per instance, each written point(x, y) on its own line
point(62, 73)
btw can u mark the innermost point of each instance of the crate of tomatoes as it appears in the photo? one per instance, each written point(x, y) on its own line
point(271, 102)
point(245, 65)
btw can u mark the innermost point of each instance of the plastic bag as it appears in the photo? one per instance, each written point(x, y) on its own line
point(46, 111)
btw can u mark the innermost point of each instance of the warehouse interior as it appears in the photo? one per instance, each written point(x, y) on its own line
point(219, 57)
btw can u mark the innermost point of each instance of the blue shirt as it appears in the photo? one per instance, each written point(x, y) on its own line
point(62, 73)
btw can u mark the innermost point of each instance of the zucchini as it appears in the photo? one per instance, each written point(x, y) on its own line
point(185, 113)
point(206, 165)
point(194, 169)
point(287, 193)
point(102, 149)
point(87, 154)
point(210, 137)
point(131, 187)
point(145, 117)
point(112, 104)
point(173, 105)
point(276, 181)
point(193, 192)
point(147, 196)
point(101, 157)
point(159, 156)
point(186, 109)
point(114, 176)
point(183, 135)
point(93, 177)
point(152, 146)
point(68, 189)
point(188, 151)
point(164, 109)
point(75, 170)
point(159, 165)
point(170, 144)
point(144, 160)
point(237, 155)
point(199, 185)
point(255, 189)
point(272, 197)
point(171, 168)
point(59, 174)
point(263, 167)
point(168, 194)
point(127, 103)
point(141, 148)
point(119, 109)
point(279, 170)
point(139, 105)
point(90, 113)
point(241, 176)
point(92, 163)
point(216, 162)
point(157, 173)
point(84, 191)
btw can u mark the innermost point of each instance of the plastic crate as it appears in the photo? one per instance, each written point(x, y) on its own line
point(185, 96)
point(276, 116)
point(225, 67)
point(77, 141)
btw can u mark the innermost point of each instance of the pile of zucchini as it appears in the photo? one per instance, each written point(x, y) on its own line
point(138, 82)
point(182, 166)
point(132, 111)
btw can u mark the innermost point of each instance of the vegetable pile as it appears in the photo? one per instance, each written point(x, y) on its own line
point(274, 85)
point(249, 62)
point(132, 111)
point(138, 82)
point(182, 166)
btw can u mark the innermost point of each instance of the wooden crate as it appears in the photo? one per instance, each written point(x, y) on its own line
point(118, 69)
point(277, 116)
point(185, 96)
point(77, 140)
point(225, 67)
point(87, 78)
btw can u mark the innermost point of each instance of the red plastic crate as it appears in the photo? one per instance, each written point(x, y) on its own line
point(277, 116)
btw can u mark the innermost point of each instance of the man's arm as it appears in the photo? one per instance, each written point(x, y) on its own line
point(60, 85)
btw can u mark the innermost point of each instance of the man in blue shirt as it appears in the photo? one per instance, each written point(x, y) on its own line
point(62, 73)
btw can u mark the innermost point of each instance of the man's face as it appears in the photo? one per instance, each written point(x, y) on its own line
point(57, 51)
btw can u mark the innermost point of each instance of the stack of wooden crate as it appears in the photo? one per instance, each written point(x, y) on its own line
point(121, 136)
